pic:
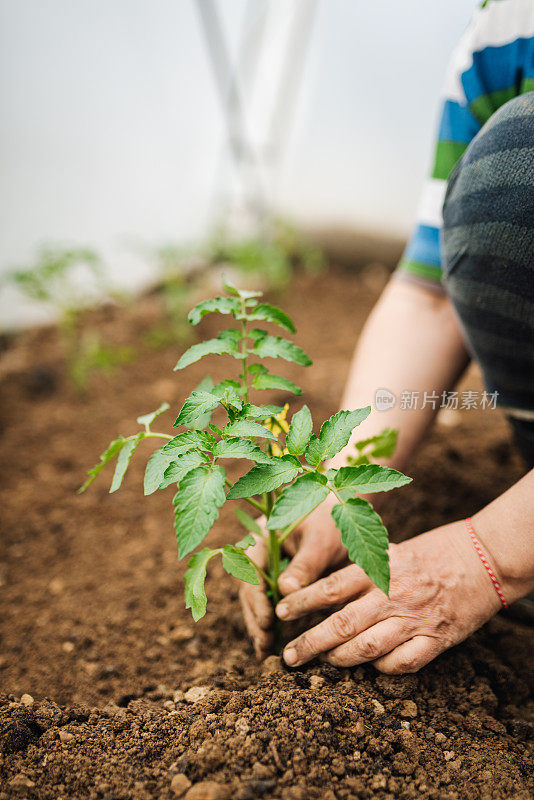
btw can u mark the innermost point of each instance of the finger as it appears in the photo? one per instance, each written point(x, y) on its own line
point(262, 640)
point(338, 628)
point(338, 587)
point(310, 561)
point(410, 656)
point(256, 600)
point(371, 644)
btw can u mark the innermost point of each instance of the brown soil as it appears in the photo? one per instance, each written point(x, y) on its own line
point(93, 614)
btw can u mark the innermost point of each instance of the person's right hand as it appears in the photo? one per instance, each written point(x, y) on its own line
point(315, 547)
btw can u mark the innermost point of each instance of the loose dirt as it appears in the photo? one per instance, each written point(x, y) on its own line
point(110, 690)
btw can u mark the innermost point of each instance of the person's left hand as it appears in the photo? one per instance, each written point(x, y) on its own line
point(439, 593)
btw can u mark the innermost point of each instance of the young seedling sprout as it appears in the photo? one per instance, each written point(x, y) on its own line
point(288, 479)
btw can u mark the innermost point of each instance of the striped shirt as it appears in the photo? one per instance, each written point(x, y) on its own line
point(492, 63)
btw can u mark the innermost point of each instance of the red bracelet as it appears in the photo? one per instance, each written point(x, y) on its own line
point(485, 562)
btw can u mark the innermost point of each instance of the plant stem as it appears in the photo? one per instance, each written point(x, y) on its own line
point(274, 571)
point(261, 572)
point(148, 434)
point(291, 528)
point(244, 374)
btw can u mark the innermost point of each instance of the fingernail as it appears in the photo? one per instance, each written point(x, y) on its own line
point(290, 584)
point(282, 610)
point(290, 656)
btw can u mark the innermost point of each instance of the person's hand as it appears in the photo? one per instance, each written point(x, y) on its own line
point(316, 548)
point(440, 593)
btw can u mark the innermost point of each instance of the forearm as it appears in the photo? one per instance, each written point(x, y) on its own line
point(505, 529)
point(411, 342)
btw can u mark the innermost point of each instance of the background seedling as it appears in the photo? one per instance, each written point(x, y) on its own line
point(288, 479)
point(72, 281)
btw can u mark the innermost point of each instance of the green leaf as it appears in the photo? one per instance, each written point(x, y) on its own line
point(179, 468)
point(198, 404)
point(189, 440)
point(148, 419)
point(114, 448)
point(264, 380)
point(195, 595)
point(126, 452)
point(236, 563)
point(245, 294)
point(269, 313)
point(205, 385)
point(266, 346)
point(197, 504)
point(155, 469)
point(366, 539)
point(240, 448)
point(297, 500)
point(357, 461)
point(384, 443)
point(247, 522)
point(222, 345)
point(260, 412)
point(228, 396)
point(222, 305)
point(367, 478)
point(266, 477)
point(334, 435)
point(243, 427)
point(299, 432)
point(247, 541)
point(229, 388)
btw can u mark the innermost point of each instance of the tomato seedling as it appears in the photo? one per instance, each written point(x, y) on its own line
point(288, 479)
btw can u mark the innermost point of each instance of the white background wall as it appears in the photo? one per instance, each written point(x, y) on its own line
point(111, 128)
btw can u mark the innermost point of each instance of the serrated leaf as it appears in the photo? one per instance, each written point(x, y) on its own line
point(297, 500)
point(179, 467)
point(266, 346)
point(334, 435)
point(189, 440)
point(366, 539)
point(174, 449)
point(236, 563)
point(248, 522)
point(246, 542)
point(205, 385)
point(243, 427)
point(245, 294)
point(357, 461)
point(222, 345)
point(269, 313)
point(228, 397)
point(221, 305)
point(198, 404)
point(228, 388)
point(367, 478)
point(266, 477)
point(148, 419)
point(240, 448)
point(299, 432)
point(155, 469)
point(109, 454)
point(125, 454)
point(260, 412)
point(197, 504)
point(265, 380)
point(195, 595)
point(383, 443)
